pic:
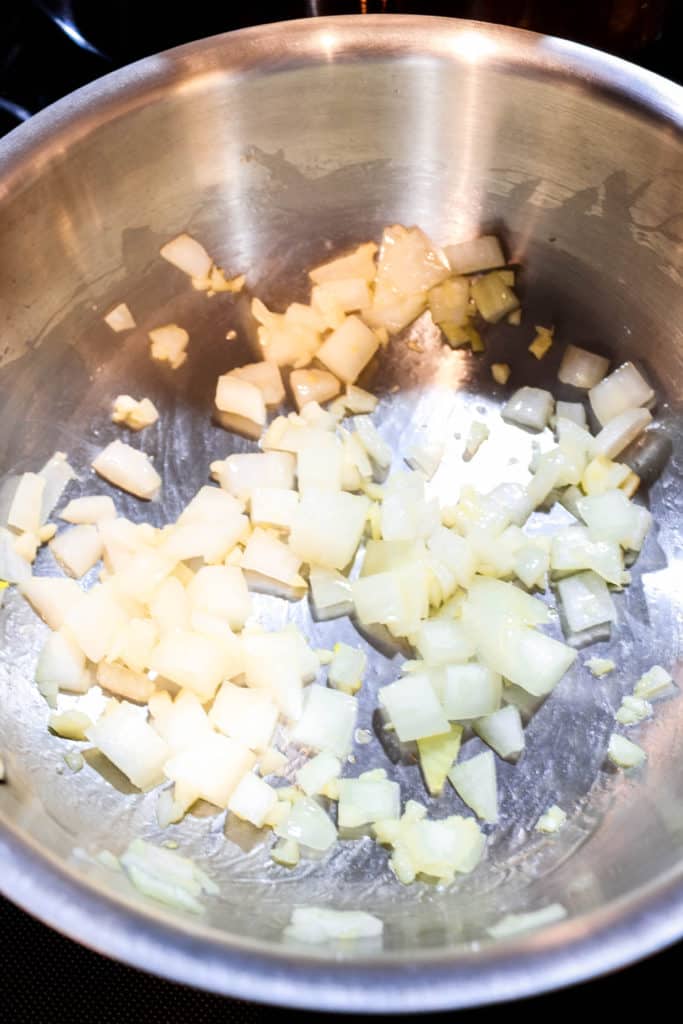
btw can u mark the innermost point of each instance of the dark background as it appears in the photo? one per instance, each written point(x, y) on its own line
point(47, 49)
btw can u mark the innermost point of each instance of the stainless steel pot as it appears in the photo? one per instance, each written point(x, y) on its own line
point(275, 146)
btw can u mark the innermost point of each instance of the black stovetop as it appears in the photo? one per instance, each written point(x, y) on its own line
point(47, 49)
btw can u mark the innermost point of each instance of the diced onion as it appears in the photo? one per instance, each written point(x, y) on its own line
point(165, 876)
point(624, 389)
point(252, 799)
point(169, 344)
point(552, 820)
point(413, 707)
point(313, 386)
point(316, 925)
point(653, 683)
point(120, 318)
point(89, 510)
point(327, 722)
point(586, 601)
point(363, 801)
point(123, 735)
point(129, 469)
point(529, 407)
point(475, 782)
point(581, 368)
point(77, 549)
point(188, 255)
point(348, 350)
point(623, 753)
point(633, 710)
point(314, 776)
point(210, 769)
point(516, 924)
point(266, 377)
point(620, 432)
point(308, 824)
point(502, 731)
point(484, 253)
point(134, 414)
point(470, 691)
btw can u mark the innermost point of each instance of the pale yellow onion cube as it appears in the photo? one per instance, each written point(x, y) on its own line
point(551, 820)
point(134, 686)
point(266, 377)
point(309, 825)
point(620, 431)
point(130, 743)
point(623, 753)
point(169, 344)
point(272, 662)
point(442, 641)
point(348, 350)
point(25, 509)
point(70, 725)
point(170, 606)
point(95, 620)
point(239, 474)
point(56, 473)
point(327, 527)
point(120, 318)
point(272, 762)
point(271, 558)
point(51, 598)
point(330, 593)
point(77, 549)
point(134, 644)
point(320, 462)
point(413, 707)
point(471, 257)
point(209, 505)
point(129, 469)
point(89, 510)
point(358, 264)
point(240, 398)
point(409, 264)
point(313, 386)
point(624, 389)
point(315, 775)
point(245, 714)
point(252, 800)
point(140, 577)
point(347, 668)
point(357, 400)
point(397, 599)
point(188, 255)
point(61, 662)
point(455, 552)
point(212, 541)
point(327, 722)
point(191, 660)
point(221, 590)
point(212, 767)
point(121, 540)
point(363, 801)
point(273, 506)
point(475, 783)
point(230, 644)
point(181, 722)
point(502, 731)
point(133, 413)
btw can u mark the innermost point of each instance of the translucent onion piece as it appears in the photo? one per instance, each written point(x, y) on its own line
point(624, 389)
point(252, 799)
point(363, 801)
point(188, 255)
point(169, 344)
point(653, 683)
point(502, 731)
point(484, 253)
point(129, 469)
point(133, 413)
point(89, 510)
point(348, 350)
point(120, 318)
point(77, 549)
point(586, 601)
point(620, 432)
point(623, 753)
point(57, 474)
point(582, 369)
point(414, 708)
point(308, 824)
point(316, 925)
point(130, 743)
point(475, 782)
point(529, 407)
point(327, 722)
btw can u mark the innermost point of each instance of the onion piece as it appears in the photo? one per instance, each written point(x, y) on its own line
point(586, 601)
point(61, 664)
point(365, 800)
point(133, 686)
point(437, 754)
point(327, 722)
point(409, 265)
point(330, 593)
point(443, 641)
point(501, 372)
point(240, 398)
point(313, 386)
point(484, 253)
point(620, 432)
point(425, 455)
point(25, 509)
point(57, 474)
point(581, 368)
point(358, 264)
point(165, 876)
point(168, 345)
point(612, 517)
point(308, 824)
point(413, 707)
point(252, 799)
point(516, 924)
point(599, 667)
point(77, 549)
point(623, 753)
point(191, 660)
point(210, 768)
point(543, 341)
point(397, 599)
point(470, 691)
point(348, 350)
point(376, 447)
point(272, 559)
point(273, 507)
point(529, 407)
point(221, 591)
point(653, 683)
point(272, 662)
point(315, 775)
point(266, 377)
point(573, 411)
point(475, 783)
point(134, 414)
point(241, 473)
point(89, 510)
point(14, 568)
point(502, 731)
point(51, 598)
point(188, 255)
point(316, 925)
point(129, 469)
point(347, 668)
point(320, 461)
point(327, 527)
point(245, 714)
point(493, 298)
point(552, 820)
point(120, 318)
point(130, 743)
point(624, 389)
point(633, 710)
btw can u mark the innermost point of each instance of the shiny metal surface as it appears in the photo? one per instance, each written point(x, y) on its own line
point(276, 146)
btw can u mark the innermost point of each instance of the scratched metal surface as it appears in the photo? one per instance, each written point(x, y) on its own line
point(274, 172)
